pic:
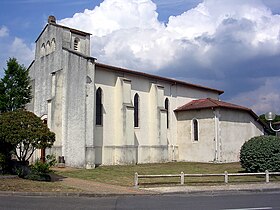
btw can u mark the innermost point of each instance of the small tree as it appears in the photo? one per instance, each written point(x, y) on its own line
point(15, 88)
point(25, 132)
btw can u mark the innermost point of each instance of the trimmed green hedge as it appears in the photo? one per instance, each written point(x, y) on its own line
point(261, 153)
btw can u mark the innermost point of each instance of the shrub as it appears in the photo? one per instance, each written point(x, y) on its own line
point(40, 170)
point(20, 168)
point(261, 153)
point(43, 168)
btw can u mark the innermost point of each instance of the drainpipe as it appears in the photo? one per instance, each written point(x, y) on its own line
point(216, 120)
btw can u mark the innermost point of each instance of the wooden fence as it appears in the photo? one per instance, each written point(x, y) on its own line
point(182, 176)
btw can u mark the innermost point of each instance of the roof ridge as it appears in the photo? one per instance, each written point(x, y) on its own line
point(207, 103)
point(214, 101)
point(176, 81)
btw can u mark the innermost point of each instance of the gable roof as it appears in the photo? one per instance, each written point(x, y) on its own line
point(137, 73)
point(73, 30)
point(209, 103)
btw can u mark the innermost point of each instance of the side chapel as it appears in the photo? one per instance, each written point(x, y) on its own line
point(103, 114)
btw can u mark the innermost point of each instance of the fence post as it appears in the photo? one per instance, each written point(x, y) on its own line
point(182, 178)
point(266, 176)
point(136, 180)
point(226, 177)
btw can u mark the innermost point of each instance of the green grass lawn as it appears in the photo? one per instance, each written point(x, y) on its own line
point(124, 175)
point(24, 185)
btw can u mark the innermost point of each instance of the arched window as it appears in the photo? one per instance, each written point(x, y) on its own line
point(53, 45)
point(43, 49)
point(166, 106)
point(99, 113)
point(48, 47)
point(195, 129)
point(136, 110)
point(77, 44)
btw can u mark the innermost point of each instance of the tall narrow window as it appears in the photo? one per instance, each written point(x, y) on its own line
point(48, 47)
point(99, 114)
point(43, 50)
point(136, 110)
point(53, 45)
point(195, 129)
point(76, 44)
point(166, 106)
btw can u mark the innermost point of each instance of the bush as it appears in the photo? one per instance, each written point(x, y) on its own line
point(21, 168)
point(40, 171)
point(261, 153)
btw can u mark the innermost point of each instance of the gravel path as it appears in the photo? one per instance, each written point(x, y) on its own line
point(100, 188)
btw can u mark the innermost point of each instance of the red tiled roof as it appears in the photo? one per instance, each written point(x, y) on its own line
point(209, 103)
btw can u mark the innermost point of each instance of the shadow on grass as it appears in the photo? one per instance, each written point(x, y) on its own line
point(56, 178)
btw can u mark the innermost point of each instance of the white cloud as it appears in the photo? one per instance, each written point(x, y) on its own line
point(4, 31)
point(20, 50)
point(230, 41)
point(14, 47)
point(123, 32)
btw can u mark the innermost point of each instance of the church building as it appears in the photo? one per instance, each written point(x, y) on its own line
point(107, 115)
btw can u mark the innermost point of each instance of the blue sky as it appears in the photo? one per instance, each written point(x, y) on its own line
point(233, 45)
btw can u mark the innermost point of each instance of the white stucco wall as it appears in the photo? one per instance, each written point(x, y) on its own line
point(117, 140)
point(48, 61)
point(237, 127)
point(220, 140)
point(61, 93)
point(202, 150)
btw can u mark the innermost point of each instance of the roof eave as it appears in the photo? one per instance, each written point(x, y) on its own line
point(160, 78)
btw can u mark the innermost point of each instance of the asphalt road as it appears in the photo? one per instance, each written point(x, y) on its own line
point(252, 201)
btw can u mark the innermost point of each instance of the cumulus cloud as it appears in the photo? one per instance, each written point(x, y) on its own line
point(4, 31)
point(20, 50)
point(16, 47)
point(233, 42)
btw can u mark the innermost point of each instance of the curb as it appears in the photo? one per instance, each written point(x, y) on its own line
point(217, 192)
point(70, 194)
point(98, 195)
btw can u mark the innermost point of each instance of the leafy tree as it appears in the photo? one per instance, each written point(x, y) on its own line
point(277, 118)
point(15, 88)
point(25, 132)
